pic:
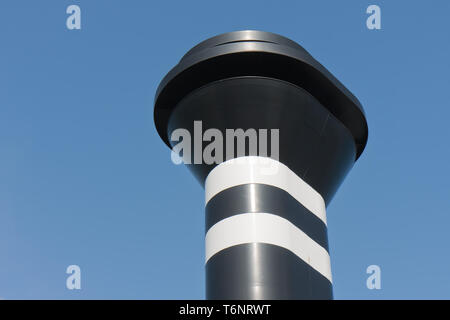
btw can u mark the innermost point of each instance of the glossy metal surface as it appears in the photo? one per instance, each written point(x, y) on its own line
point(259, 80)
point(263, 54)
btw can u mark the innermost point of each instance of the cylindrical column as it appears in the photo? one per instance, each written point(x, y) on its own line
point(266, 234)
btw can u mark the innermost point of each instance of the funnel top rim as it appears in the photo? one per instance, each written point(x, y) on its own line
point(244, 36)
point(257, 53)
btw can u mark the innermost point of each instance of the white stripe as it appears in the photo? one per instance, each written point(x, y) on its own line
point(268, 171)
point(267, 228)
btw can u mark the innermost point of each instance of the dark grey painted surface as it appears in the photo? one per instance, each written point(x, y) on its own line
point(263, 271)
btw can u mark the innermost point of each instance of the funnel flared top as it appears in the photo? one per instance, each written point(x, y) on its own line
point(258, 53)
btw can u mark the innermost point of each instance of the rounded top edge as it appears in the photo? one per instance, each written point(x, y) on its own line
point(244, 36)
point(258, 53)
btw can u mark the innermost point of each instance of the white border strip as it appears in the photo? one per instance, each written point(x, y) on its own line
point(266, 228)
point(253, 169)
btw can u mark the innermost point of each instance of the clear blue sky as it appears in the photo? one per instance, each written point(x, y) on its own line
point(85, 179)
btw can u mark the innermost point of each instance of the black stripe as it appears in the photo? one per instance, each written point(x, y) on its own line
point(268, 199)
point(263, 271)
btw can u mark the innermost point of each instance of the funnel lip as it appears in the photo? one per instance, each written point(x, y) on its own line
point(208, 62)
point(243, 36)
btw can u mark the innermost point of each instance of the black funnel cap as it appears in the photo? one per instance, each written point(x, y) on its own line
point(263, 54)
